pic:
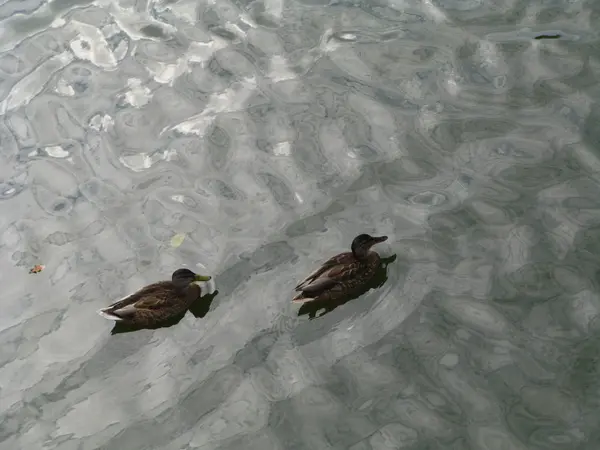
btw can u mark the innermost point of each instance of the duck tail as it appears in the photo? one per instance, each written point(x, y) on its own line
point(302, 298)
point(108, 314)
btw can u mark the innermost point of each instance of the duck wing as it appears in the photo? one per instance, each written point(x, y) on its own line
point(153, 296)
point(336, 270)
point(337, 260)
point(331, 282)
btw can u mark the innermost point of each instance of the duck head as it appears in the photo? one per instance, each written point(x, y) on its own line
point(182, 278)
point(363, 243)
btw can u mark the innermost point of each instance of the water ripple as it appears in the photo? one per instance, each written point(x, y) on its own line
point(260, 138)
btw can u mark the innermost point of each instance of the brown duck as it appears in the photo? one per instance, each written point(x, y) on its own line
point(157, 302)
point(343, 275)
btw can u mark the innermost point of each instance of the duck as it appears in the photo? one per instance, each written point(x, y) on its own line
point(343, 275)
point(157, 302)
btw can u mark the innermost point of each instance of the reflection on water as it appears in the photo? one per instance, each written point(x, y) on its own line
point(260, 137)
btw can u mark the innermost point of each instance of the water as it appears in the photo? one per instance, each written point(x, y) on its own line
point(267, 135)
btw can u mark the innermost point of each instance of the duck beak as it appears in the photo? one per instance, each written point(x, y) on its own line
point(377, 240)
point(202, 278)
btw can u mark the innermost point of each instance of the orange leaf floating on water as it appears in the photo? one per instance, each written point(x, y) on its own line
point(36, 269)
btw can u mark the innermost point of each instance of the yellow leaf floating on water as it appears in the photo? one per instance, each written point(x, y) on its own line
point(177, 240)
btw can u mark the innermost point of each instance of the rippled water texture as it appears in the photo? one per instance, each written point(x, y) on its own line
point(256, 139)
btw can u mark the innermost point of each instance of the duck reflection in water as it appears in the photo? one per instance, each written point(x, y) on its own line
point(343, 277)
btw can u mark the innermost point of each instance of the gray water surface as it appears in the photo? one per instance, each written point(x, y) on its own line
point(266, 135)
